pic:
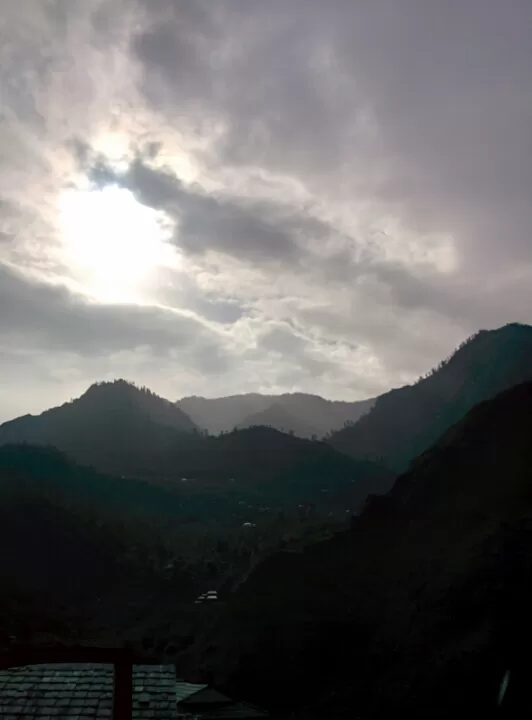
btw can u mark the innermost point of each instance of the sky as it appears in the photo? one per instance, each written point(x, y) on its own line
point(214, 197)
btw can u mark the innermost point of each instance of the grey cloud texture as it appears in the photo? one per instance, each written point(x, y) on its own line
point(349, 181)
point(36, 315)
point(424, 107)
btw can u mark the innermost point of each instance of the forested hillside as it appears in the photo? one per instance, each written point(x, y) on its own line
point(405, 422)
point(91, 557)
point(419, 608)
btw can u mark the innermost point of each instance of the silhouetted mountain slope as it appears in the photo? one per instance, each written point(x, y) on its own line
point(309, 411)
point(405, 422)
point(49, 473)
point(80, 549)
point(82, 552)
point(115, 426)
point(277, 417)
point(419, 609)
point(59, 528)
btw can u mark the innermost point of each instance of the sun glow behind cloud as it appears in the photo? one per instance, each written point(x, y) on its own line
point(113, 244)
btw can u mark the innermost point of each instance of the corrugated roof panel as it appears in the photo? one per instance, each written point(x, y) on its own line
point(184, 690)
point(233, 711)
point(206, 695)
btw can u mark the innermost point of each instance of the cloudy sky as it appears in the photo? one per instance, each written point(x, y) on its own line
point(221, 196)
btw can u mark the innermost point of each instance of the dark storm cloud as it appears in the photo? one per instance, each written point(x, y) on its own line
point(210, 222)
point(252, 230)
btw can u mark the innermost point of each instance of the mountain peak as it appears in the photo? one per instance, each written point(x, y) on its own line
point(120, 385)
point(109, 422)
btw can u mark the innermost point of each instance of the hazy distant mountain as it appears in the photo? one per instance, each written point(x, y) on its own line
point(405, 422)
point(114, 426)
point(304, 414)
point(277, 416)
point(417, 610)
point(222, 414)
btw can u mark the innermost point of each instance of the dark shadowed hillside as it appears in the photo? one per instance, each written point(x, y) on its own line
point(419, 609)
point(114, 426)
point(80, 550)
point(282, 469)
point(405, 422)
point(83, 554)
point(303, 414)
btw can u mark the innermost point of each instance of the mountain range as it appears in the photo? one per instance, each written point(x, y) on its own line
point(418, 609)
point(123, 430)
point(303, 414)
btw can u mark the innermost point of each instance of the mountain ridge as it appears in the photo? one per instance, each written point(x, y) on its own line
point(225, 413)
point(405, 421)
point(110, 422)
point(127, 431)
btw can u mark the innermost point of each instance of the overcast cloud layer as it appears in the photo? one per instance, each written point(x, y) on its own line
point(346, 188)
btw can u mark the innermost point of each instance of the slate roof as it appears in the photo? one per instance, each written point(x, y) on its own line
point(83, 691)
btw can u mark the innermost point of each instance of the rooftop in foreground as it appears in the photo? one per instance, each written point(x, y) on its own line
point(115, 690)
point(36, 692)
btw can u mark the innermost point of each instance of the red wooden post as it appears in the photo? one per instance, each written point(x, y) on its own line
point(123, 690)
